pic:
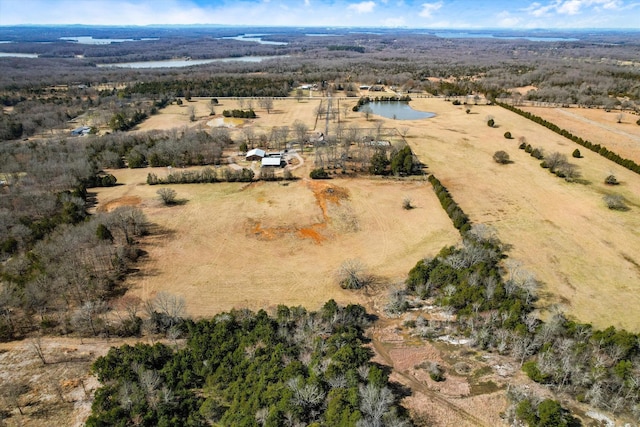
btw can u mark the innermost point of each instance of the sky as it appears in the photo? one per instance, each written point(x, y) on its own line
point(431, 14)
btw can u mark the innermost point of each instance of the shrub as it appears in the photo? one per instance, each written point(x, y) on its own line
point(533, 372)
point(576, 154)
point(491, 123)
point(501, 157)
point(456, 102)
point(611, 180)
point(319, 173)
point(167, 195)
point(508, 135)
point(537, 153)
point(615, 202)
point(436, 373)
point(351, 275)
point(522, 145)
point(406, 203)
point(528, 148)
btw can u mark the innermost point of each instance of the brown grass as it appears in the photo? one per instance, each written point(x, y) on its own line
point(598, 126)
point(560, 231)
point(263, 244)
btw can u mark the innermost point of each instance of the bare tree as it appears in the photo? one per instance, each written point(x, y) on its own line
point(191, 111)
point(262, 415)
point(619, 117)
point(267, 104)
point(249, 135)
point(300, 129)
point(554, 160)
point(374, 402)
point(36, 346)
point(351, 275)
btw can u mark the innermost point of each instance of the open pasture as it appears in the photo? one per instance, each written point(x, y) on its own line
point(585, 255)
point(258, 245)
point(598, 126)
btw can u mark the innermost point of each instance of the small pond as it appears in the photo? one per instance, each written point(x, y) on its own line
point(225, 122)
point(396, 110)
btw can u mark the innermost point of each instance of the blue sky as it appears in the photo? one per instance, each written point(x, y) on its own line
point(466, 14)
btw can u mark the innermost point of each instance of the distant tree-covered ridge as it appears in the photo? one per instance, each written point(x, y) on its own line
point(248, 369)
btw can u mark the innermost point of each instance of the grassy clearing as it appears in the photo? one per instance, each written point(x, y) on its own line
point(598, 126)
point(263, 244)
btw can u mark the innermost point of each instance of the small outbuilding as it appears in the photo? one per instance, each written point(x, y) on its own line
point(255, 154)
point(273, 162)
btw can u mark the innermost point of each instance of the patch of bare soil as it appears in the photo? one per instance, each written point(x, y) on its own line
point(472, 393)
point(325, 195)
point(121, 201)
point(56, 393)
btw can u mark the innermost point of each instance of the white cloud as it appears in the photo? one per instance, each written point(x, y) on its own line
point(571, 7)
point(393, 22)
point(307, 3)
point(505, 19)
point(429, 8)
point(362, 7)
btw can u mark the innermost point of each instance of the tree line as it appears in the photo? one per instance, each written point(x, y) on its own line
point(596, 148)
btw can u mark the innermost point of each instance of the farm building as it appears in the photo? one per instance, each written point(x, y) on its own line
point(255, 154)
point(273, 162)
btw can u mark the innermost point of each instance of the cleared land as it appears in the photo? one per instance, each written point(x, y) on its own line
point(584, 254)
point(263, 244)
point(598, 126)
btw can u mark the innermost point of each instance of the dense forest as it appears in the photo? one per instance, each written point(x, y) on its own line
point(250, 369)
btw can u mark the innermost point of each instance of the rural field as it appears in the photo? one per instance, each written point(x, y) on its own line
point(259, 245)
point(255, 246)
point(598, 126)
point(584, 254)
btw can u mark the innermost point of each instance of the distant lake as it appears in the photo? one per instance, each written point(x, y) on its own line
point(397, 110)
point(91, 40)
point(174, 63)
point(491, 36)
point(257, 38)
point(18, 55)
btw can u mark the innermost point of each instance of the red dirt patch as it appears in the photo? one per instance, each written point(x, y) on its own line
point(324, 193)
point(122, 201)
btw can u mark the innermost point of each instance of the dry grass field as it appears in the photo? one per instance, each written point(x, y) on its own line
point(585, 255)
point(262, 244)
point(597, 126)
point(234, 245)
